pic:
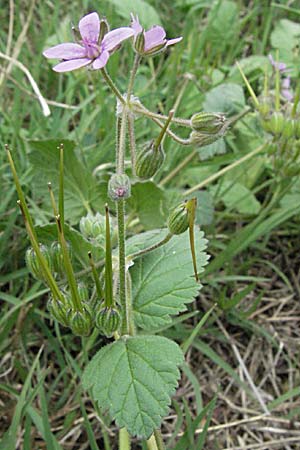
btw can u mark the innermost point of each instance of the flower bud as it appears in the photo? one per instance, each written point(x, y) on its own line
point(149, 160)
point(57, 257)
point(81, 321)
point(104, 29)
point(208, 123)
point(93, 227)
point(276, 123)
point(83, 292)
point(201, 140)
point(288, 128)
point(33, 264)
point(60, 311)
point(297, 128)
point(119, 187)
point(178, 221)
point(108, 320)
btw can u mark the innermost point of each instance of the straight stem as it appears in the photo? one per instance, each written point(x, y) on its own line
point(122, 266)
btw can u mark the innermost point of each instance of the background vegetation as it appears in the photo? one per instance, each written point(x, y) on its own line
point(242, 365)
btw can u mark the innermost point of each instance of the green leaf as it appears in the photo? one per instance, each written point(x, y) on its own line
point(163, 281)
point(82, 192)
point(216, 148)
point(134, 378)
point(226, 98)
point(148, 201)
point(148, 16)
point(223, 23)
point(238, 197)
point(285, 37)
point(252, 66)
point(141, 241)
point(205, 207)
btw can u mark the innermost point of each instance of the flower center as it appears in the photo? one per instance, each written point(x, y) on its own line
point(92, 49)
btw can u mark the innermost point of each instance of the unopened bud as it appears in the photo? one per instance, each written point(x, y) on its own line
point(208, 123)
point(83, 292)
point(57, 257)
point(201, 140)
point(288, 128)
point(81, 321)
point(139, 43)
point(60, 311)
point(93, 226)
point(178, 221)
point(276, 123)
point(33, 264)
point(119, 187)
point(149, 160)
point(104, 29)
point(108, 320)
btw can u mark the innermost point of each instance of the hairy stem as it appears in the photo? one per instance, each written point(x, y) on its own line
point(132, 143)
point(136, 63)
point(112, 85)
point(122, 267)
point(152, 247)
point(124, 439)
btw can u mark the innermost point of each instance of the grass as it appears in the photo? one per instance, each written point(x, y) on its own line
point(240, 383)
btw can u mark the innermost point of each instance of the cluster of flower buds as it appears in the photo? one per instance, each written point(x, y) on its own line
point(207, 128)
point(92, 227)
point(53, 257)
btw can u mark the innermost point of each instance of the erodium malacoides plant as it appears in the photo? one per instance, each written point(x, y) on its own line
point(140, 281)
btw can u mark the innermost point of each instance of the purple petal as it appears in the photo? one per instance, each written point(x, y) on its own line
point(281, 66)
point(73, 64)
point(286, 83)
point(89, 27)
point(135, 24)
point(65, 51)
point(101, 61)
point(115, 37)
point(287, 94)
point(173, 41)
point(154, 37)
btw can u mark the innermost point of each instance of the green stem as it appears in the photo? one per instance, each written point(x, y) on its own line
point(159, 440)
point(95, 276)
point(122, 143)
point(151, 443)
point(163, 130)
point(136, 63)
point(61, 203)
point(131, 135)
point(152, 247)
point(180, 166)
point(109, 299)
point(112, 85)
point(124, 439)
point(122, 266)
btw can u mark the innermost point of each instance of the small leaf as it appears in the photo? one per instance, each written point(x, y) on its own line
point(238, 197)
point(134, 378)
point(162, 280)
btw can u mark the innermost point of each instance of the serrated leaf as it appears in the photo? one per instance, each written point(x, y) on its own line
point(141, 241)
point(216, 148)
point(163, 281)
point(81, 190)
point(146, 13)
point(134, 378)
point(227, 98)
point(205, 207)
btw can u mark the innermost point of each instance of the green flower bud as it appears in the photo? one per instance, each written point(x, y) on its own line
point(81, 322)
point(83, 292)
point(33, 264)
point(297, 128)
point(119, 187)
point(104, 29)
point(57, 257)
point(59, 311)
point(276, 123)
point(93, 227)
point(108, 320)
point(149, 160)
point(293, 170)
point(288, 128)
point(201, 140)
point(208, 123)
point(178, 221)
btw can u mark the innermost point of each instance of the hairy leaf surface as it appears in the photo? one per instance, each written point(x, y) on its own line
point(133, 378)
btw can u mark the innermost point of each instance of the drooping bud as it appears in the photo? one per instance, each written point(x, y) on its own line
point(201, 140)
point(119, 187)
point(149, 160)
point(33, 264)
point(57, 257)
point(178, 221)
point(92, 226)
point(208, 123)
point(108, 320)
point(60, 311)
point(151, 157)
point(81, 322)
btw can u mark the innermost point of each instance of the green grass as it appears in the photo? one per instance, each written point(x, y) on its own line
point(253, 276)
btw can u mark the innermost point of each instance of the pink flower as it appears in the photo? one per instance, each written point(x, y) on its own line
point(280, 66)
point(285, 89)
point(153, 40)
point(91, 50)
